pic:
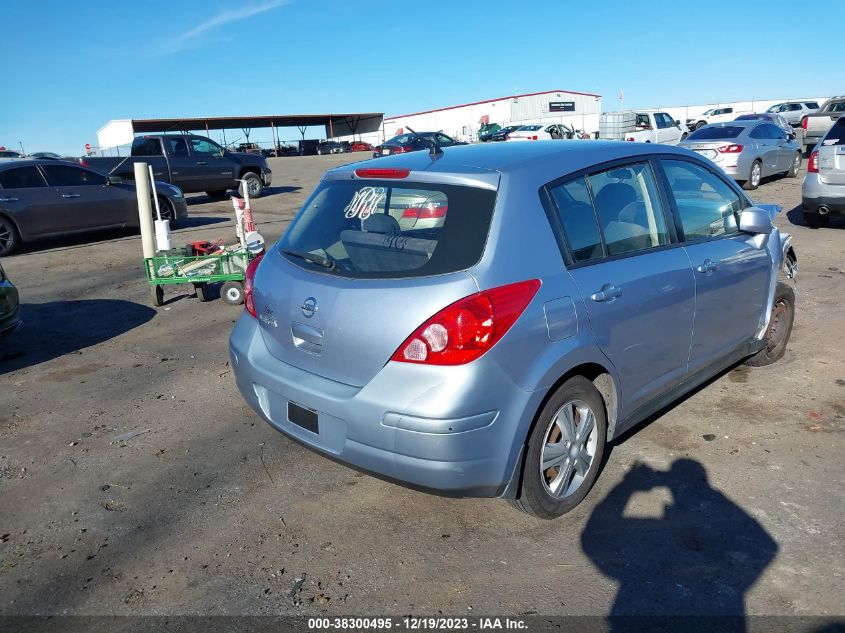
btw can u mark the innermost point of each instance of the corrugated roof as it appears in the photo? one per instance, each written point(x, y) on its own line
point(359, 122)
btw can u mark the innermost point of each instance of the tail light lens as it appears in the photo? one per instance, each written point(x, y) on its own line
point(631, 139)
point(249, 285)
point(729, 149)
point(813, 163)
point(465, 330)
point(427, 212)
point(804, 123)
point(375, 172)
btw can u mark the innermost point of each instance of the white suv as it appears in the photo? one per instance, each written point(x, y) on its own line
point(794, 111)
point(713, 115)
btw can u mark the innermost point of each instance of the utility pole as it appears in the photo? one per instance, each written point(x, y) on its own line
point(22, 149)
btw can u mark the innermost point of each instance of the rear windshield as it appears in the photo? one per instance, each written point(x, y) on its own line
point(836, 134)
point(530, 128)
point(387, 229)
point(708, 133)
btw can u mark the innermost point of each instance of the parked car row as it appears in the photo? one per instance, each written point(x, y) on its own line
point(342, 147)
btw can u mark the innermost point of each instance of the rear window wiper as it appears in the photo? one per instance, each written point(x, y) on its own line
point(314, 259)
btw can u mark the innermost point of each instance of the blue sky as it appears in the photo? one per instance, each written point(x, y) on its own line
point(72, 66)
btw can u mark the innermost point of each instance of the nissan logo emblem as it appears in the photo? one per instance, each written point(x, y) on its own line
point(309, 307)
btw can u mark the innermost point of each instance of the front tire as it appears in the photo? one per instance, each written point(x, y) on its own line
point(202, 292)
point(157, 295)
point(684, 137)
point(700, 124)
point(754, 177)
point(253, 182)
point(565, 450)
point(232, 292)
point(780, 327)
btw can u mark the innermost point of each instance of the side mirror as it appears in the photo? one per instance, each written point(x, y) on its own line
point(677, 122)
point(115, 180)
point(756, 221)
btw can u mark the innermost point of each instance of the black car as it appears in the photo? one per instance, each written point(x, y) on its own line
point(329, 147)
point(502, 134)
point(413, 143)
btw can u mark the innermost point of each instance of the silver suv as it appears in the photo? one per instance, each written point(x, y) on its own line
point(566, 292)
point(794, 111)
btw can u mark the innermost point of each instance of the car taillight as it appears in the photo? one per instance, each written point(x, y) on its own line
point(631, 139)
point(376, 172)
point(813, 163)
point(465, 330)
point(804, 123)
point(426, 212)
point(249, 284)
point(729, 149)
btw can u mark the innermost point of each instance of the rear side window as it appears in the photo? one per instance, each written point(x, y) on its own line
point(146, 147)
point(21, 178)
point(707, 206)
point(812, 105)
point(177, 147)
point(390, 229)
point(67, 176)
point(629, 209)
point(575, 209)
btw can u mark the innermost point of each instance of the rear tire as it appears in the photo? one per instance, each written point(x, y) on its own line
point(9, 238)
point(202, 292)
point(571, 454)
point(780, 328)
point(754, 177)
point(253, 182)
point(232, 292)
point(796, 166)
point(167, 212)
point(157, 295)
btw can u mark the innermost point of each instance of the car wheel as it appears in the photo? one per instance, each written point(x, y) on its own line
point(202, 292)
point(232, 292)
point(166, 210)
point(253, 182)
point(796, 166)
point(700, 124)
point(157, 294)
point(565, 450)
point(9, 238)
point(814, 220)
point(754, 177)
point(217, 194)
point(780, 327)
point(684, 137)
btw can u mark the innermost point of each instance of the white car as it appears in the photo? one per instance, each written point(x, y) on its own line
point(713, 115)
point(540, 132)
point(794, 111)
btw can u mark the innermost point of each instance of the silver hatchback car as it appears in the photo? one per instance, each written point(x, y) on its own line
point(823, 189)
point(571, 290)
point(748, 151)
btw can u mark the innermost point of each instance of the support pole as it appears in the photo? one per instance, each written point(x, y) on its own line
point(331, 128)
point(275, 144)
point(145, 209)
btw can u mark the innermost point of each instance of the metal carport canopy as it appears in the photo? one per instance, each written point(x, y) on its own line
point(343, 124)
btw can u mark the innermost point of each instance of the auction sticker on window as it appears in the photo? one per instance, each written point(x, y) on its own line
point(365, 202)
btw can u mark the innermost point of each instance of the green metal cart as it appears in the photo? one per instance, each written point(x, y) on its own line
point(227, 268)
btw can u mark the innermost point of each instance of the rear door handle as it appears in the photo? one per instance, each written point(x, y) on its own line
point(8, 199)
point(608, 292)
point(70, 195)
point(707, 267)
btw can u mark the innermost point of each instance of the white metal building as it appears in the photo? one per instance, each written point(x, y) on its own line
point(578, 110)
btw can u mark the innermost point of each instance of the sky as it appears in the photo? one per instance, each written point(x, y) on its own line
point(70, 67)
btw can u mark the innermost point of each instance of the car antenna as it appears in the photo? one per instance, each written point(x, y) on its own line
point(434, 149)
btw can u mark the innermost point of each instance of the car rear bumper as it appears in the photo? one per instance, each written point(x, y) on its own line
point(425, 427)
point(816, 194)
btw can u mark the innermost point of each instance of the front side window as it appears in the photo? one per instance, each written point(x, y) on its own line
point(388, 229)
point(21, 178)
point(575, 209)
point(68, 176)
point(204, 147)
point(707, 206)
point(629, 209)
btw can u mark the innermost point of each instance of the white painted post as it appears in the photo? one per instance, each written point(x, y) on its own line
point(145, 209)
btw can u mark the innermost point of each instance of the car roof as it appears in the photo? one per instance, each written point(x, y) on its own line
point(541, 160)
point(24, 162)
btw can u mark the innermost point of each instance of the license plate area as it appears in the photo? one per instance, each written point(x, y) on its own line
point(306, 418)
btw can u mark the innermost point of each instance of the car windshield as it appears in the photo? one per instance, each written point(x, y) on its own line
point(530, 128)
point(718, 132)
point(384, 229)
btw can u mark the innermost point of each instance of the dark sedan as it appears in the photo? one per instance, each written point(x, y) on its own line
point(502, 133)
point(413, 143)
point(9, 311)
point(43, 198)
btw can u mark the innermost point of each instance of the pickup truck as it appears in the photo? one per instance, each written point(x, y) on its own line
point(193, 163)
point(643, 127)
point(713, 115)
point(817, 124)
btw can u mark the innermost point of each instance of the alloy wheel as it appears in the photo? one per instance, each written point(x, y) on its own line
point(569, 449)
point(7, 236)
point(756, 172)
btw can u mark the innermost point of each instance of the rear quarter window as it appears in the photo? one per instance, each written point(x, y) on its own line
point(836, 134)
point(390, 229)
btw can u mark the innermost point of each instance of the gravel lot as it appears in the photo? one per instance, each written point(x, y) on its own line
point(211, 511)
